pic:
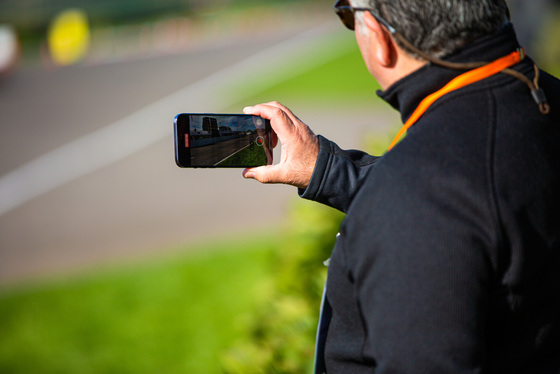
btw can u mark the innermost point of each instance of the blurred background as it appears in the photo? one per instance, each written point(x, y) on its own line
point(112, 259)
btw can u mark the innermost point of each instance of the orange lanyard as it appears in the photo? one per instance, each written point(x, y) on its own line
point(462, 80)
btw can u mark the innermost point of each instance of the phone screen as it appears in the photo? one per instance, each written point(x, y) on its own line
point(222, 140)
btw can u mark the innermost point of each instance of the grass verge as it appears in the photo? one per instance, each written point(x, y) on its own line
point(173, 315)
point(250, 155)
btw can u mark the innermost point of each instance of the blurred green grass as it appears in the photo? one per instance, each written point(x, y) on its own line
point(170, 315)
point(342, 79)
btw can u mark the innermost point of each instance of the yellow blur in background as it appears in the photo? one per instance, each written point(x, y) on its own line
point(69, 37)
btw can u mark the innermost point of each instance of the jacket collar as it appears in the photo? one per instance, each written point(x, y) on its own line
point(406, 94)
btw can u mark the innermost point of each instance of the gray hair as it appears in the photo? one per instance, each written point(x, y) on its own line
point(439, 27)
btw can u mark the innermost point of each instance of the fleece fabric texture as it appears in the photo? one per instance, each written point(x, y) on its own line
point(448, 260)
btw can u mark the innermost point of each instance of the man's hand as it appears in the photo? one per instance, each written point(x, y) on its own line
point(299, 152)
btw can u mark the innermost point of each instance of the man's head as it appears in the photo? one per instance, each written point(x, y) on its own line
point(432, 27)
point(438, 27)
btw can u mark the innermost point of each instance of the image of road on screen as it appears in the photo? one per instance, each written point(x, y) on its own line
point(222, 140)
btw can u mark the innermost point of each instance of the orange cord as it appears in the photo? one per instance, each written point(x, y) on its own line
point(461, 81)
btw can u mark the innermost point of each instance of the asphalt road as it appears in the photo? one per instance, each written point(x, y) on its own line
point(87, 175)
point(213, 154)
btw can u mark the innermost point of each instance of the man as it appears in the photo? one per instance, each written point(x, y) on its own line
point(448, 260)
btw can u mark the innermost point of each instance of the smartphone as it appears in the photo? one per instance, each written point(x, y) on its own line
point(222, 140)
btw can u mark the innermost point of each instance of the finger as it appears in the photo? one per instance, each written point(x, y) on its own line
point(263, 111)
point(276, 104)
point(248, 110)
point(254, 110)
point(280, 120)
point(274, 139)
point(284, 109)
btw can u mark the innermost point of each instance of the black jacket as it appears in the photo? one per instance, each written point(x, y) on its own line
point(449, 256)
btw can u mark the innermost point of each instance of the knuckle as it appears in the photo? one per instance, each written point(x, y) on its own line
point(277, 104)
point(277, 112)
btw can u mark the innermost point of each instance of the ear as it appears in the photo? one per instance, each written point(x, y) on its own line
point(384, 51)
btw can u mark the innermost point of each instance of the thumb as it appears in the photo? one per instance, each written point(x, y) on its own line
point(263, 174)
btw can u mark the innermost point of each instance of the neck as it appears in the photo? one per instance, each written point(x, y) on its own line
point(406, 94)
point(403, 65)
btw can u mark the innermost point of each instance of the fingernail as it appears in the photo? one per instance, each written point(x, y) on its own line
point(248, 109)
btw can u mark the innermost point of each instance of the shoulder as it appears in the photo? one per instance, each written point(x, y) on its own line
point(422, 201)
